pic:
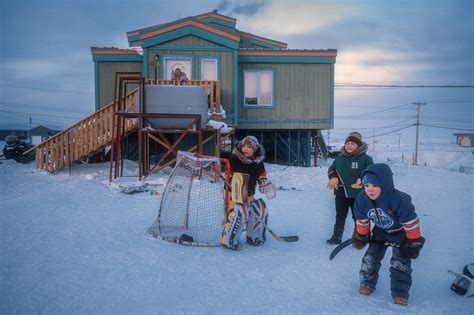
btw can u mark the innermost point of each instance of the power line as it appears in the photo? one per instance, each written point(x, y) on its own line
point(43, 107)
point(20, 113)
point(362, 85)
point(444, 127)
point(48, 90)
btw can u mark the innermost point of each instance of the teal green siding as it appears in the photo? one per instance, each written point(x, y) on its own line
point(302, 94)
point(190, 41)
point(105, 72)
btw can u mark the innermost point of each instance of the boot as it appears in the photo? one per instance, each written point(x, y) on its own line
point(400, 300)
point(334, 240)
point(365, 290)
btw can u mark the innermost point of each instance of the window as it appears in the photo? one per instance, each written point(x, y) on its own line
point(258, 87)
point(183, 64)
point(209, 69)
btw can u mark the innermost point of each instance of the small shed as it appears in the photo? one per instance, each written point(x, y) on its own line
point(39, 134)
point(465, 139)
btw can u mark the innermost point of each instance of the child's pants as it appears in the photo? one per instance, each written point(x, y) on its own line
point(400, 267)
point(252, 216)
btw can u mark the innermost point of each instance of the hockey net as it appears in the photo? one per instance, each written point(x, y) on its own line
point(193, 208)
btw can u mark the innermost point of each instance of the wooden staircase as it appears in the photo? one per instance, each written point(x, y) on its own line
point(83, 138)
point(95, 132)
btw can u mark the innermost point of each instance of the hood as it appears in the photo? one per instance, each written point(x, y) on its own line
point(384, 175)
point(258, 157)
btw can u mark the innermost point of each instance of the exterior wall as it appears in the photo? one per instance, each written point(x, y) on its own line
point(195, 46)
point(302, 98)
point(466, 142)
point(105, 72)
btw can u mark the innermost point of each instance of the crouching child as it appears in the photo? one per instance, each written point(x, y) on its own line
point(245, 210)
point(395, 223)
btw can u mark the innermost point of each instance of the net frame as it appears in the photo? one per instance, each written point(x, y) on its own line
point(195, 201)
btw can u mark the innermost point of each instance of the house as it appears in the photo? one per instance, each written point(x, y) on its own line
point(283, 96)
point(465, 139)
point(39, 133)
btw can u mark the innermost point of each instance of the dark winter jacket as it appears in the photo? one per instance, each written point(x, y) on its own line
point(254, 167)
point(392, 211)
point(348, 168)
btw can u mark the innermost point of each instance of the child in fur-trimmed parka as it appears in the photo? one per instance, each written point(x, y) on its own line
point(247, 158)
point(395, 223)
point(344, 178)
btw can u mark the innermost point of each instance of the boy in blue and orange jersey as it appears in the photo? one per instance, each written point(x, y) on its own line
point(395, 222)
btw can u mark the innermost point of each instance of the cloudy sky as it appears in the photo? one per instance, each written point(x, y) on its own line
point(46, 70)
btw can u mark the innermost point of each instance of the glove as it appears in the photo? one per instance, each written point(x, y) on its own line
point(359, 241)
point(267, 188)
point(357, 184)
point(333, 183)
point(411, 248)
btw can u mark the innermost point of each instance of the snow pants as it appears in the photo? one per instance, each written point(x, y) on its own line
point(251, 216)
point(400, 267)
point(342, 208)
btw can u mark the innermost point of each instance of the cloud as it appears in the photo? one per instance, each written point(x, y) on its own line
point(368, 65)
point(290, 17)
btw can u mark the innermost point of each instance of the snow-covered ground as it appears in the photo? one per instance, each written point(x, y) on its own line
point(73, 243)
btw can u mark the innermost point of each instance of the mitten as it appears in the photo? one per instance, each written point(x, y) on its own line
point(359, 241)
point(357, 184)
point(266, 187)
point(411, 248)
point(333, 183)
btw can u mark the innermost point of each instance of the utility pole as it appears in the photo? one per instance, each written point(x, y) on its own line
point(373, 139)
point(418, 104)
point(399, 136)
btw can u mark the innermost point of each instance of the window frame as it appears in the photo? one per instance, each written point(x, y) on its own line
point(218, 65)
point(273, 92)
point(165, 57)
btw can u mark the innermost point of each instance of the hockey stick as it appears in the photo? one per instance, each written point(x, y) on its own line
point(291, 238)
point(349, 242)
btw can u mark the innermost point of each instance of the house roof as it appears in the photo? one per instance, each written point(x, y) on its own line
point(466, 134)
point(211, 23)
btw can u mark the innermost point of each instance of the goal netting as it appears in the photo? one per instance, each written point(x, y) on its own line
point(194, 203)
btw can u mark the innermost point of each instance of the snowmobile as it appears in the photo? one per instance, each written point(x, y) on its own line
point(14, 149)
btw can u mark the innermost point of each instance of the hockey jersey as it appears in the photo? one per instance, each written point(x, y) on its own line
point(392, 211)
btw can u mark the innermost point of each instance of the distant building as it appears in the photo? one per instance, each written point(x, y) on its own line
point(465, 139)
point(39, 134)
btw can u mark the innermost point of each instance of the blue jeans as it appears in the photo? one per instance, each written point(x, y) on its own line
point(400, 267)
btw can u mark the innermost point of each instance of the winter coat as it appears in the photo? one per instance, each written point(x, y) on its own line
point(391, 212)
point(254, 167)
point(348, 168)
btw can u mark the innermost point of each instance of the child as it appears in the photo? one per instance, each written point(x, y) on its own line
point(395, 223)
point(344, 178)
point(247, 158)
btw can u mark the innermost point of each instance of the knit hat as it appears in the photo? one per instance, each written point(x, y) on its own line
point(251, 141)
point(370, 178)
point(354, 137)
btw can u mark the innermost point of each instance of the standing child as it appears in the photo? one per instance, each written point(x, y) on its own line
point(395, 223)
point(247, 158)
point(344, 178)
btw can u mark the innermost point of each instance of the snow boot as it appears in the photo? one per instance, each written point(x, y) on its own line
point(400, 300)
point(334, 240)
point(365, 290)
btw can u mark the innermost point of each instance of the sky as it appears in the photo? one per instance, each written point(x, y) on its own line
point(46, 70)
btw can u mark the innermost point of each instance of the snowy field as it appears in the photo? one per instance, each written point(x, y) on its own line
point(77, 244)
